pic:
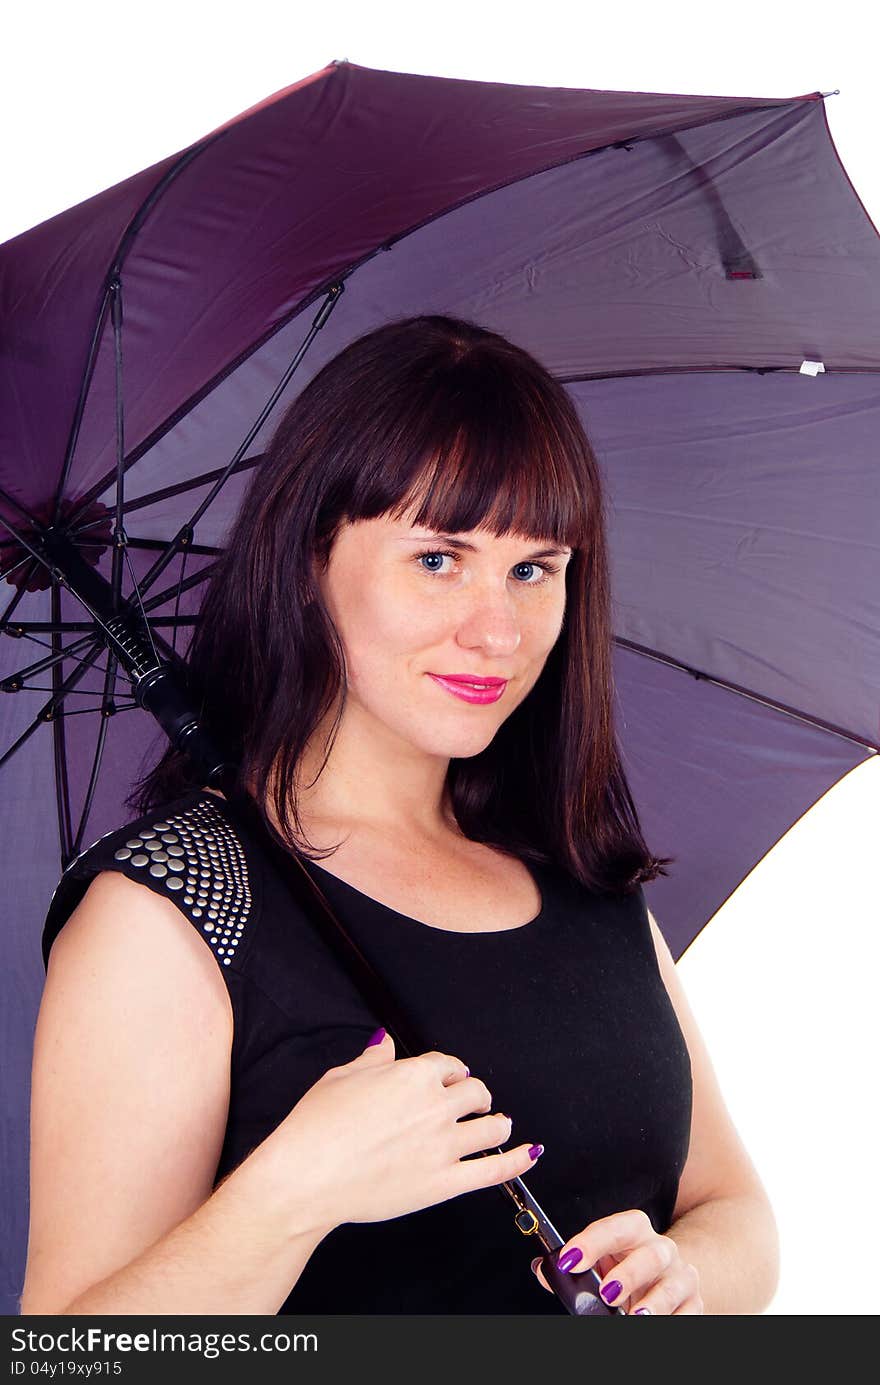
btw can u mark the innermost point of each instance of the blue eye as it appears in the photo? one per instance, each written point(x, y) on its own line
point(422, 556)
point(546, 569)
point(536, 567)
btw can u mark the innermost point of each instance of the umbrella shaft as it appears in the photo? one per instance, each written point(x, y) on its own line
point(155, 685)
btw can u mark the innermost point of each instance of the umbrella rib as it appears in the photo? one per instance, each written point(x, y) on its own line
point(125, 242)
point(59, 742)
point(718, 367)
point(331, 297)
point(185, 532)
point(204, 550)
point(160, 597)
point(25, 735)
point(48, 711)
point(169, 492)
point(700, 675)
point(24, 627)
point(45, 644)
point(20, 538)
point(177, 601)
point(93, 777)
point(19, 562)
point(137, 592)
point(93, 711)
point(26, 634)
point(119, 537)
point(99, 668)
point(79, 408)
point(16, 505)
point(73, 692)
point(20, 592)
point(69, 652)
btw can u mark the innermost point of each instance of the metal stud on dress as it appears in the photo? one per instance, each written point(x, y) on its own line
point(196, 851)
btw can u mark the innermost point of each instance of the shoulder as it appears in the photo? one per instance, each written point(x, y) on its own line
point(188, 852)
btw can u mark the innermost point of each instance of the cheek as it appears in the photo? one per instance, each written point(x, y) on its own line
point(384, 623)
point(542, 625)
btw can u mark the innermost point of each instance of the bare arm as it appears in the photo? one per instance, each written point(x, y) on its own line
point(129, 1104)
point(722, 1221)
point(733, 1242)
point(234, 1255)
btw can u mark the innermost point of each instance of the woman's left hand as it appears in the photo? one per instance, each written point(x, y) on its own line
point(648, 1275)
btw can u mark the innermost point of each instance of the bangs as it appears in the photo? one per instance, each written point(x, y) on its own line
point(484, 448)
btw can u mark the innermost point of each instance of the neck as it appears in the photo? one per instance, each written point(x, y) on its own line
point(373, 780)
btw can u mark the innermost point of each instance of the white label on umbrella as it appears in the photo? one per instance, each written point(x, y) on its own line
point(811, 368)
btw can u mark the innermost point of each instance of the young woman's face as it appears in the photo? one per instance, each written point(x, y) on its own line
point(411, 606)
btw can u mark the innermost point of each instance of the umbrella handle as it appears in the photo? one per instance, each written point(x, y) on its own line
point(579, 1293)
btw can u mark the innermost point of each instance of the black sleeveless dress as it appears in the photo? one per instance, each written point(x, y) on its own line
point(566, 1019)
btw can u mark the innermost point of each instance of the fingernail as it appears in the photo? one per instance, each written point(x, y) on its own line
point(610, 1290)
point(376, 1038)
point(467, 1072)
point(536, 1262)
point(569, 1259)
point(535, 1151)
point(642, 1310)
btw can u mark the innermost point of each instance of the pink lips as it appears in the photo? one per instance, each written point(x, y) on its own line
point(471, 689)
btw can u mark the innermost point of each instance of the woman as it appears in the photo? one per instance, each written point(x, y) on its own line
point(407, 648)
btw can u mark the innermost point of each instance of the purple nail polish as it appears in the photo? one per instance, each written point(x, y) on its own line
point(535, 1151)
point(611, 1290)
point(569, 1259)
point(642, 1310)
point(376, 1038)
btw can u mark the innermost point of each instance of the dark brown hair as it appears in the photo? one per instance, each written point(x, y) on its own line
point(442, 412)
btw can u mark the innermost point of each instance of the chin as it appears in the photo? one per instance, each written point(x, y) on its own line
point(457, 746)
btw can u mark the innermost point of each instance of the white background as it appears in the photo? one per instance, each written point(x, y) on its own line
point(784, 980)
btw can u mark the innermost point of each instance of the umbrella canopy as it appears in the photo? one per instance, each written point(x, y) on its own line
point(697, 270)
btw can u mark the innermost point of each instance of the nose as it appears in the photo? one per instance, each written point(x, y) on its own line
point(491, 623)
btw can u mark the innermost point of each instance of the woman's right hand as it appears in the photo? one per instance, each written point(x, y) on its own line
point(382, 1137)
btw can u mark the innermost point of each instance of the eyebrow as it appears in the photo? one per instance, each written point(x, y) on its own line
point(472, 548)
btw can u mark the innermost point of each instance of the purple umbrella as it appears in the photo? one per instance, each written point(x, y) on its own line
point(697, 270)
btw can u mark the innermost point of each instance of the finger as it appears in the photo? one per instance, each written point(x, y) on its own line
point(606, 1263)
point(455, 1075)
point(469, 1096)
point(615, 1236)
point(635, 1273)
point(490, 1169)
point(443, 1066)
point(484, 1132)
point(694, 1304)
point(538, 1272)
point(679, 1286)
